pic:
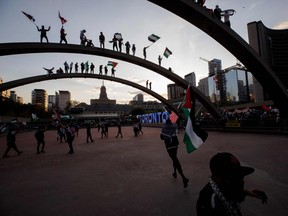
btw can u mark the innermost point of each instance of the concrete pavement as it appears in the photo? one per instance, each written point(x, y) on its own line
point(133, 175)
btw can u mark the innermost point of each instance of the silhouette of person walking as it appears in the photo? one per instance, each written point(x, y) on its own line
point(63, 35)
point(70, 134)
point(120, 43)
point(71, 67)
point(102, 40)
point(76, 67)
point(150, 85)
point(89, 136)
point(43, 33)
point(168, 134)
point(82, 65)
point(39, 135)
point(119, 130)
point(66, 67)
point(147, 82)
point(11, 138)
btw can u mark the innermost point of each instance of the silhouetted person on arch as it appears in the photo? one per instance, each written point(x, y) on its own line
point(120, 43)
point(83, 38)
point(43, 33)
point(159, 60)
point(92, 66)
point(76, 67)
point(102, 40)
point(63, 35)
point(106, 70)
point(114, 42)
point(144, 52)
point(113, 72)
point(217, 12)
point(100, 69)
point(133, 49)
point(127, 45)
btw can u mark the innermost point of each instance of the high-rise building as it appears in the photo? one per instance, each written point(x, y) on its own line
point(39, 97)
point(13, 96)
point(51, 101)
point(175, 91)
point(63, 97)
point(272, 47)
point(214, 66)
point(191, 78)
point(139, 98)
point(4, 94)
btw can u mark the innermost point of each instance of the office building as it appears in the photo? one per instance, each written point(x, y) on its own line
point(39, 97)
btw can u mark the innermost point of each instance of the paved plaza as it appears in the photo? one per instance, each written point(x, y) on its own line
point(133, 175)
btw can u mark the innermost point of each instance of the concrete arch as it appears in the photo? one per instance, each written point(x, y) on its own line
point(200, 18)
point(28, 80)
point(24, 48)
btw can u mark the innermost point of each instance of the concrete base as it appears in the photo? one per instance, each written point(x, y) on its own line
point(133, 175)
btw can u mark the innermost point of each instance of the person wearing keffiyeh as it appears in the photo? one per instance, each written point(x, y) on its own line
point(225, 190)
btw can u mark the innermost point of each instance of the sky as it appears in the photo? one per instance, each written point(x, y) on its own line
point(135, 20)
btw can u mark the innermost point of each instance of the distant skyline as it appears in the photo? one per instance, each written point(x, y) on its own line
point(135, 20)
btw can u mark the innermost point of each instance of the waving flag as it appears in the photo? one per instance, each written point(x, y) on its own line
point(29, 16)
point(153, 38)
point(194, 136)
point(113, 64)
point(34, 117)
point(63, 21)
point(167, 52)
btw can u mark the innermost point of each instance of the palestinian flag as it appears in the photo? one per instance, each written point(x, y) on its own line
point(34, 117)
point(194, 136)
point(167, 52)
point(111, 63)
point(62, 19)
point(153, 38)
point(29, 16)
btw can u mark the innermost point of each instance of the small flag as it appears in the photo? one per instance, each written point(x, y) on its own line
point(153, 38)
point(29, 16)
point(113, 64)
point(173, 117)
point(167, 52)
point(62, 19)
point(194, 136)
point(34, 117)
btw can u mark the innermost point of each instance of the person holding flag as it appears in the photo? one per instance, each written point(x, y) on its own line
point(43, 33)
point(63, 35)
point(169, 135)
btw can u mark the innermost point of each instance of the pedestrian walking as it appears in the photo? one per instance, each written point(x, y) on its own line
point(11, 141)
point(127, 45)
point(169, 135)
point(119, 130)
point(39, 135)
point(89, 135)
point(70, 134)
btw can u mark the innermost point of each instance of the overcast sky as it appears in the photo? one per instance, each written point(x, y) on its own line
point(136, 20)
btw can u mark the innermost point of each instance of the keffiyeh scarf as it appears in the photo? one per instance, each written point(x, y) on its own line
point(232, 208)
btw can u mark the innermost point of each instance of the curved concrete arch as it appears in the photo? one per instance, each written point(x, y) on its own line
point(28, 80)
point(24, 48)
point(215, 28)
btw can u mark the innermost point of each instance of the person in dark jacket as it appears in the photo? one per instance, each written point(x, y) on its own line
point(11, 139)
point(225, 190)
point(39, 135)
point(169, 135)
point(70, 134)
point(89, 135)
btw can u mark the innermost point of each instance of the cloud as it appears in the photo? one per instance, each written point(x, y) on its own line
point(282, 25)
point(135, 92)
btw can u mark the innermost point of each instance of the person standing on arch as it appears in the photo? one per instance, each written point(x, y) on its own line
point(43, 33)
point(102, 40)
point(127, 45)
point(63, 35)
point(144, 52)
